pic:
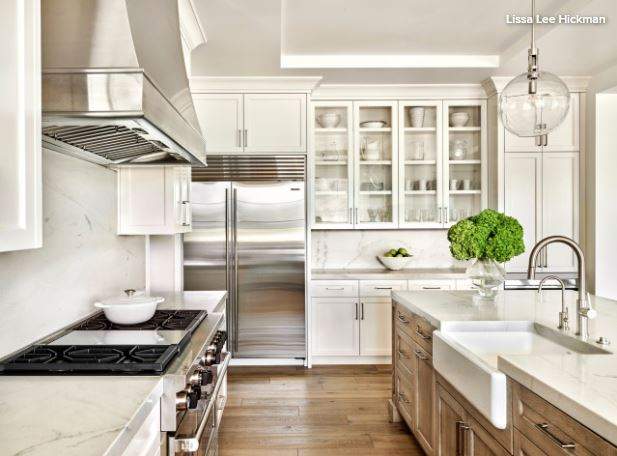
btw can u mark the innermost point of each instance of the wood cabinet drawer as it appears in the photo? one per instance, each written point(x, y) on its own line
point(551, 430)
point(405, 396)
point(404, 353)
point(422, 334)
point(404, 319)
point(334, 288)
point(370, 288)
point(525, 447)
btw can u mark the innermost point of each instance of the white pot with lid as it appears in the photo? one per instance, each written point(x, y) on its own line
point(131, 308)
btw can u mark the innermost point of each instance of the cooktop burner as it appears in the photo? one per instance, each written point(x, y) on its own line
point(100, 359)
point(162, 319)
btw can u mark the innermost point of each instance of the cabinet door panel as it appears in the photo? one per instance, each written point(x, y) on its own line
point(20, 82)
point(376, 327)
point(275, 122)
point(220, 118)
point(481, 443)
point(335, 324)
point(522, 190)
point(451, 415)
point(560, 207)
point(425, 394)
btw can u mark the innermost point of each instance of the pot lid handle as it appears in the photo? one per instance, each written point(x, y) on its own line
point(129, 291)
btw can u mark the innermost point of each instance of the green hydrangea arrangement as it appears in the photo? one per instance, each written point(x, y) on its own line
point(487, 235)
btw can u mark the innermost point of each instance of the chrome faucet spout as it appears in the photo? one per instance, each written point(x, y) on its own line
point(583, 311)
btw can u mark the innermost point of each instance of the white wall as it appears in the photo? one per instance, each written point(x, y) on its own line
point(82, 258)
point(358, 249)
point(606, 189)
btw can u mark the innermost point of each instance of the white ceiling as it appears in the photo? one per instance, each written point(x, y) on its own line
point(248, 37)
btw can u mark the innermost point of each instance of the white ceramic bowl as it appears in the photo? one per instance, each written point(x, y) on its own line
point(129, 310)
point(394, 263)
point(329, 119)
point(459, 119)
point(373, 124)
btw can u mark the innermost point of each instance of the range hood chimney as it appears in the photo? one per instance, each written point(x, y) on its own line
point(114, 83)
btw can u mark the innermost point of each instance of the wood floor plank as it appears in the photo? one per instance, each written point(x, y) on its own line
point(326, 411)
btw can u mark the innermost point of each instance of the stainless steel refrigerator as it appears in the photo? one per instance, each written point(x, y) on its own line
point(249, 237)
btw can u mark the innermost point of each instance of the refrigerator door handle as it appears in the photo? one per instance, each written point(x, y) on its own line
point(235, 266)
point(227, 278)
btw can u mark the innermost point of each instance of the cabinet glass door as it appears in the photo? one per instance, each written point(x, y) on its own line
point(420, 154)
point(333, 165)
point(464, 151)
point(376, 176)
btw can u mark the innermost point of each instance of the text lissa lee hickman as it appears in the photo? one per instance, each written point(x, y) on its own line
point(560, 19)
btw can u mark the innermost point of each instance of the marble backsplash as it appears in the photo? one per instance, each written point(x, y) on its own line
point(352, 249)
point(82, 258)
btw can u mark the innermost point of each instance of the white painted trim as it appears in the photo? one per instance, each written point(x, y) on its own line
point(253, 84)
point(191, 28)
point(266, 362)
point(398, 91)
point(320, 360)
point(388, 61)
point(496, 84)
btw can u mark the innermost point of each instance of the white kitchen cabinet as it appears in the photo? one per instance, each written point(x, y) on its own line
point(221, 120)
point(375, 327)
point(334, 288)
point(381, 288)
point(542, 192)
point(154, 199)
point(336, 326)
point(432, 284)
point(252, 123)
point(20, 81)
point(565, 138)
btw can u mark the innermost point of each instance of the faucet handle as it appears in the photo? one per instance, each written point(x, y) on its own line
point(588, 312)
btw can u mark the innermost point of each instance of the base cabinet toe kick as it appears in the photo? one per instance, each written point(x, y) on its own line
point(447, 424)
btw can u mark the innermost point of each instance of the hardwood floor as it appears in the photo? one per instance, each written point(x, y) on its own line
point(325, 411)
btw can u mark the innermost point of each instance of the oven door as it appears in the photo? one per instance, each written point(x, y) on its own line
point(197, 433)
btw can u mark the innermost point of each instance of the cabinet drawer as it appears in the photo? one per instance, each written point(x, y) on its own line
point(551, 430)
point(524, 447)
point(432, 284)
point(381, 287)
point(334, 289)
point(404, 320)
point(423, 334)
point(404, 353)
point(405, 396)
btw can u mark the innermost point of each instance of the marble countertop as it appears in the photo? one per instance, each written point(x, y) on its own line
point(385, 274)
point(584, 386)
point(94, 415)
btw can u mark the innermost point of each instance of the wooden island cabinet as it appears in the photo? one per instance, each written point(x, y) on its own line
point(447, 424)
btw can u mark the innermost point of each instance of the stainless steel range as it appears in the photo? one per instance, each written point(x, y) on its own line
point(187, 347)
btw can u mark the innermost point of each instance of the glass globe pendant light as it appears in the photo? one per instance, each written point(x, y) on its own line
point(536, 102)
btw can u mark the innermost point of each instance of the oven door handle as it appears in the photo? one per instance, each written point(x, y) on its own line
point(190, 443)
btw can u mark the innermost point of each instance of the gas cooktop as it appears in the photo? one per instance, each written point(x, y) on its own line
point(99, 346)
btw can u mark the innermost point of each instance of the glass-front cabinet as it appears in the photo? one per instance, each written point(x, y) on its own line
point(464, 159)
point(397, 164)
point(420, 163)
point(332, 136)
point(376, 164)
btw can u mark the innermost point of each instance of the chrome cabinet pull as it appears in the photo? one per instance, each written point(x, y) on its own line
point(335, 289)
point(246, 142)
point(362, 310)
point(439, 215)
point(431, 288)
point(356, 317)
point(383, 288)
point(544, 428)
point(401, 354)
point(421, 334)
point(420, 355)
point(446, 214)
point(402, 319)
point(461, 429)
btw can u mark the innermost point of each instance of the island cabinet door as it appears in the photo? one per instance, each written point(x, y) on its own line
point(425, 394)
point(478, 442)
point(450, 424)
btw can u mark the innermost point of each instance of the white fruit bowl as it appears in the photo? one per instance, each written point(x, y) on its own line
point(394, 263)
point(329, 119)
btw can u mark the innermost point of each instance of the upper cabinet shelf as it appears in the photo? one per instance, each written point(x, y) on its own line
point(423, 167)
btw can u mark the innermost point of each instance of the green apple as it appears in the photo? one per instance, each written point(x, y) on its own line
point(403, 251)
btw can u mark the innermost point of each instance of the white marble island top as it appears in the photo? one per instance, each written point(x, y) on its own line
point(92, 415)
point(582, 385)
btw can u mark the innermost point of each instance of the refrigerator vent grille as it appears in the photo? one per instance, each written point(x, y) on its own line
point(251, 168)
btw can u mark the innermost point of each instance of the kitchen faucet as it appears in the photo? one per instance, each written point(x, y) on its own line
point(583, 309)
point(563, 315)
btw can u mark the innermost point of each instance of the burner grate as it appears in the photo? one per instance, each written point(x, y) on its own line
point(162, 319)
point(100, 359)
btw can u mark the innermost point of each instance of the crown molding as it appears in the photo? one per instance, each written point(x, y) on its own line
point(191, 28)
point(398, 91)
point(495, 84)
point(253, 84)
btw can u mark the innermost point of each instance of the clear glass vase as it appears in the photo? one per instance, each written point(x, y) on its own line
point(487, 275)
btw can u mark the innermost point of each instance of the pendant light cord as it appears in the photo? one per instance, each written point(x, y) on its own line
point(533, 22)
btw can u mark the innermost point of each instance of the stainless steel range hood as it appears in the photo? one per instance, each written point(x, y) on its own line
point(114, 83)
